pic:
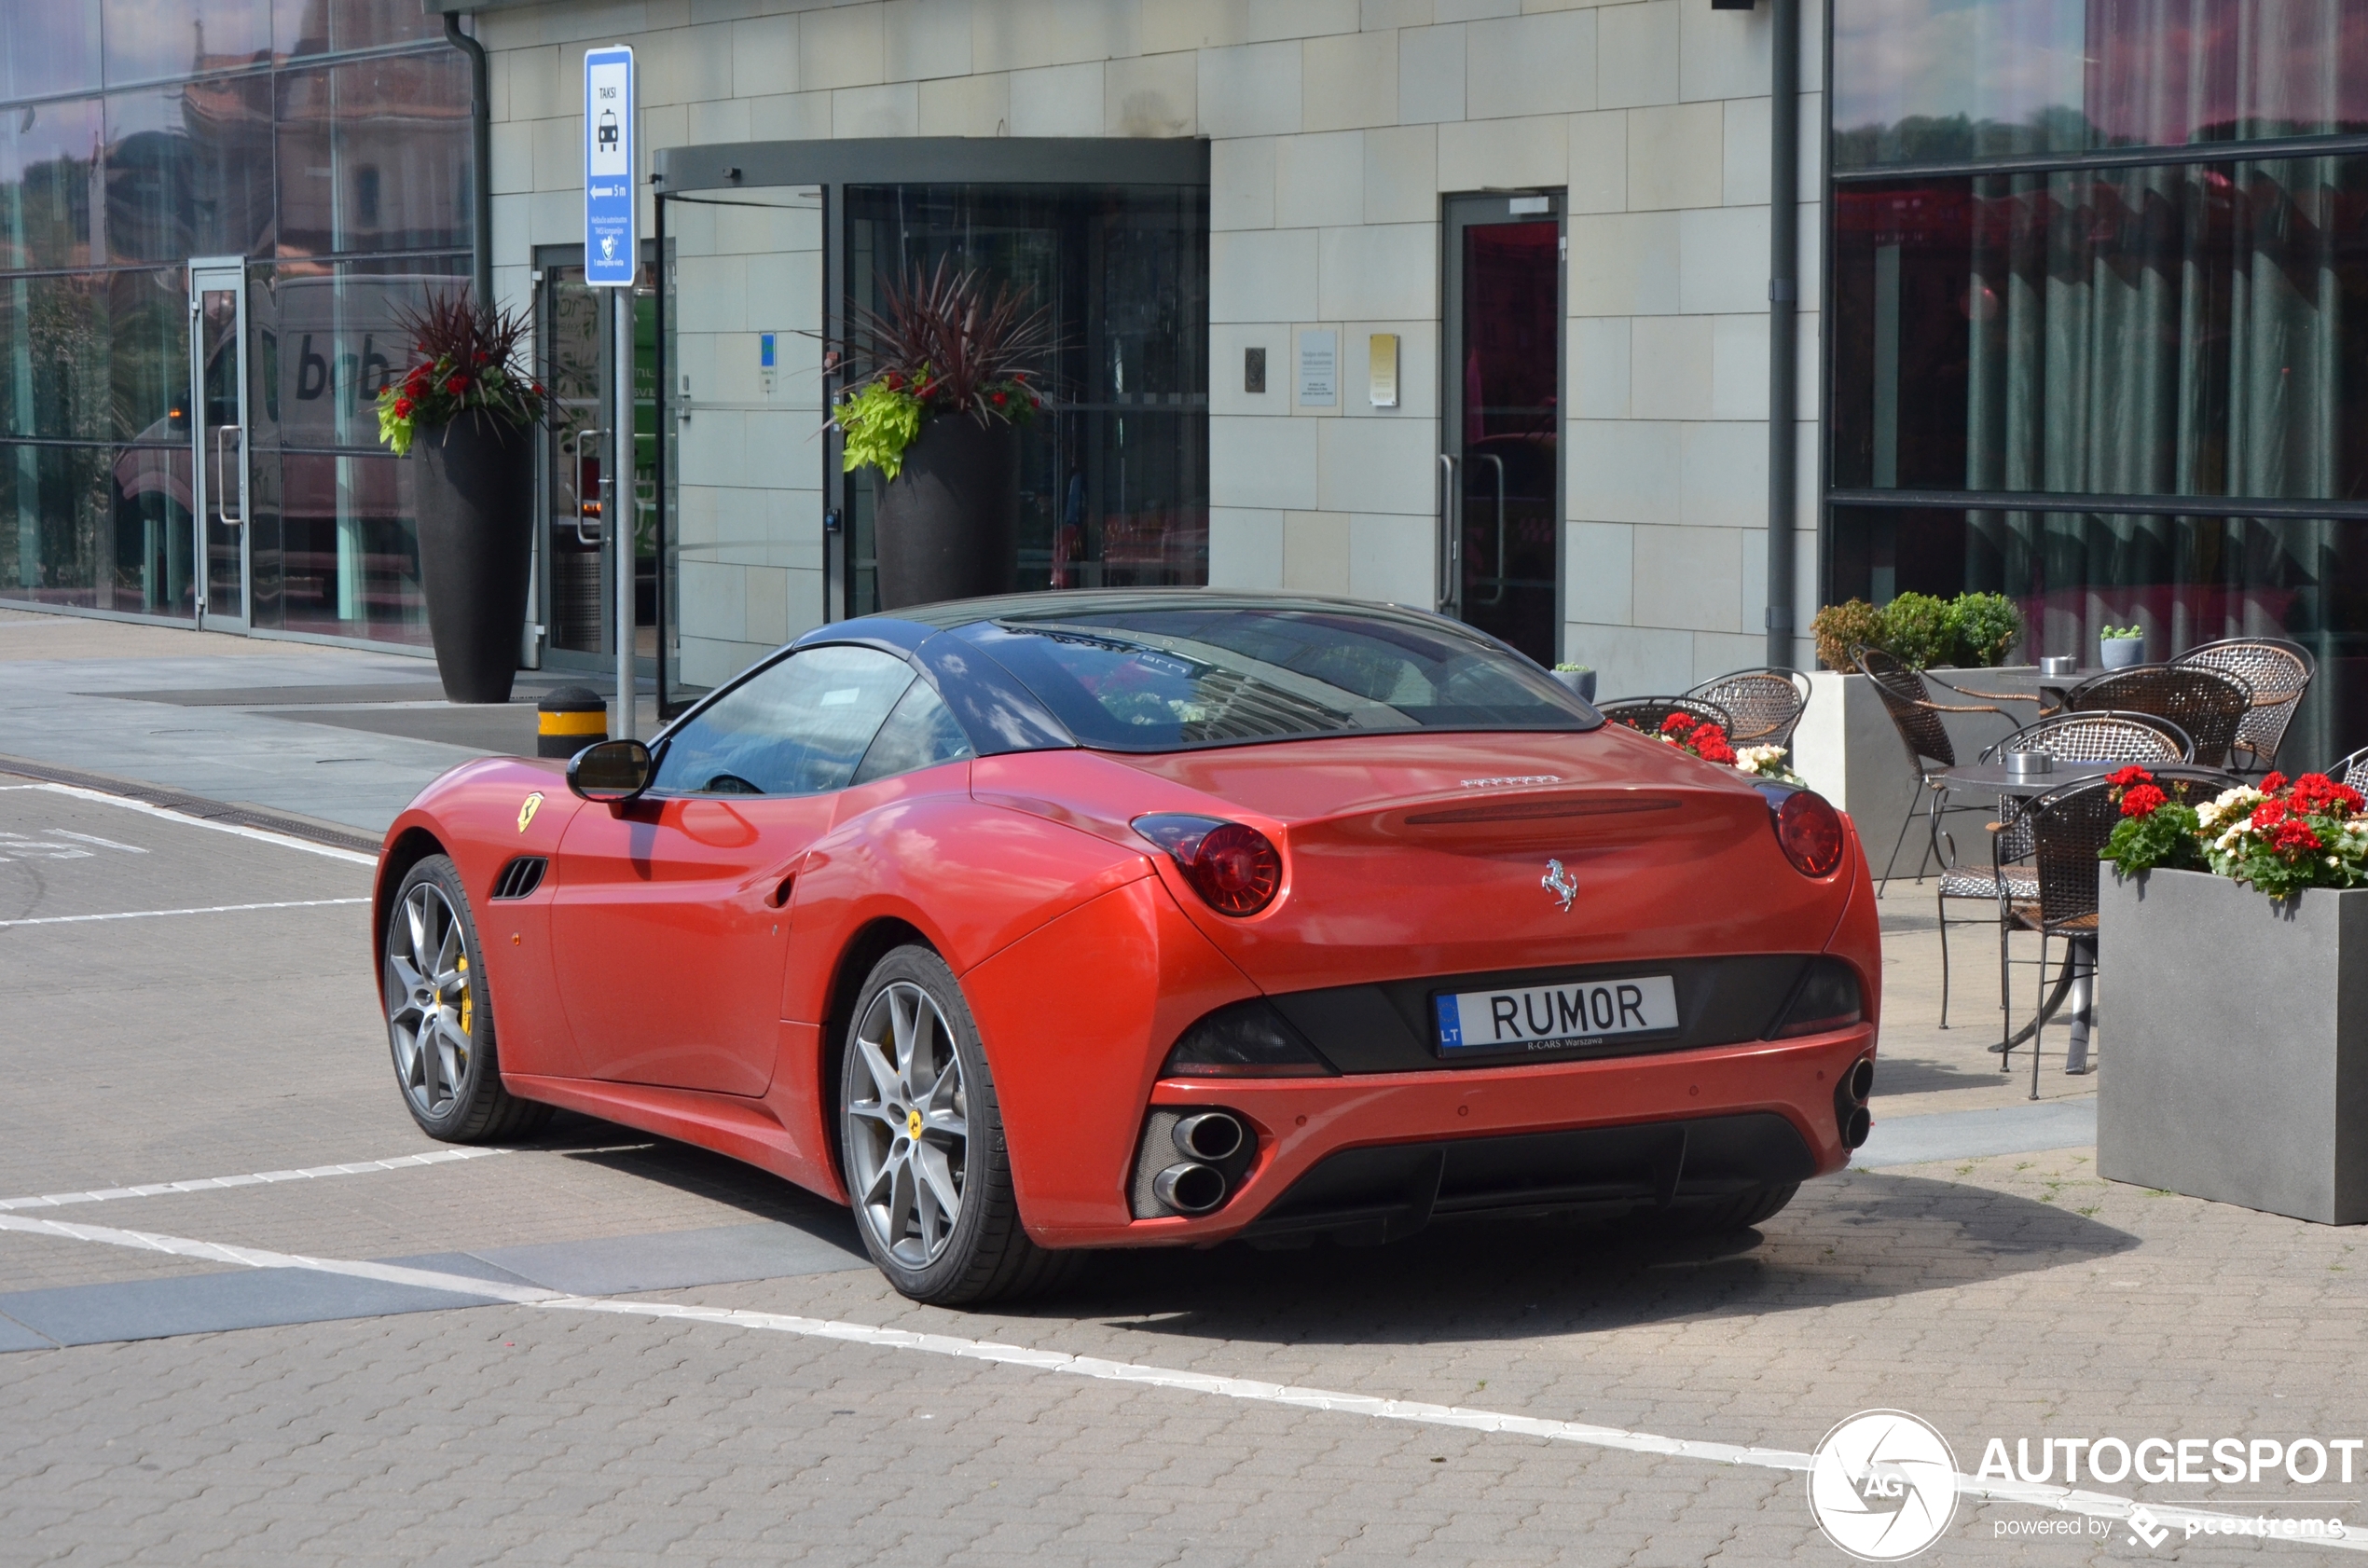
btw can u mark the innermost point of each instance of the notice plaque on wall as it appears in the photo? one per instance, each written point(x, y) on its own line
point(1319, 369)
point(1381, 378)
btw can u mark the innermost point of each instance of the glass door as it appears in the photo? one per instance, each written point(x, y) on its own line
point(218, 393)
point(1501, 471)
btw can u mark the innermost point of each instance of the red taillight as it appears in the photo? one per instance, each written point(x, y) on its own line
point(1234, 867)
point(1810, 832)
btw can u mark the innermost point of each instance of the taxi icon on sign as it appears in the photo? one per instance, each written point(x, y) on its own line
point(608, 130)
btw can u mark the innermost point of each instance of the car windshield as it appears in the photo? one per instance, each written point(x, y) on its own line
point(1157, 678)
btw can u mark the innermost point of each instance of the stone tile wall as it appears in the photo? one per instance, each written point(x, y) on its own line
point(1335, 127)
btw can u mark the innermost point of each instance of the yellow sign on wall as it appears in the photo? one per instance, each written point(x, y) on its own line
point(1381, 374)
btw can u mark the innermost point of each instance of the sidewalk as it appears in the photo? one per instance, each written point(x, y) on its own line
point(328, 735)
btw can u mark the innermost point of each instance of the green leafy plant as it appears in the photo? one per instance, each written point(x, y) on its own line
point(1988, 626)
point(468, 361)
point(941, 345)
point(1920, 630)
point(1841, 630)
point(2285, 836)
point(1572, 670)
point(2120, 634)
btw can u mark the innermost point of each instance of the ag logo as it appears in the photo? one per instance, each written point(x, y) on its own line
point(1883, 1486)
point(528, 807)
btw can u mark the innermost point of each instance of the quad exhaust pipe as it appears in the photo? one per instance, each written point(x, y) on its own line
point(1850, 1116)
point(1214, 1134)
point(1190, 1187)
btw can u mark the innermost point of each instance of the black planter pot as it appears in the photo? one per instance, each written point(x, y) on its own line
point(948, 525)
point(476, 506)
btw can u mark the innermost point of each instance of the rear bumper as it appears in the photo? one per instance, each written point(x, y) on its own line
point(1585, 1133)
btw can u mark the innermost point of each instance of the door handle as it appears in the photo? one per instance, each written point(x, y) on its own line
point(1498, 596)
point(221, 490)
point(591, 438)
point(1451, 537)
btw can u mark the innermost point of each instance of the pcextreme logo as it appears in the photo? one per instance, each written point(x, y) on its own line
point(1882, 1485)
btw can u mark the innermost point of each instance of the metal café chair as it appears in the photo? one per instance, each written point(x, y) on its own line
point(2068, 738)
point(2067, 829)
point(1649, 713)
point(1931, 753)
point(2208, 704)
point(2279, 673)
point(2352, 770)
point(1766, 704)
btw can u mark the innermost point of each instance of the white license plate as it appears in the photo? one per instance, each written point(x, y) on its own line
point(1549, 1017)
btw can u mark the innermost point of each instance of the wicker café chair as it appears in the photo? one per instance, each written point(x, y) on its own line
point(2206, 702)
point(1766, 704)
point(2279, 673)
point(1649, 713)
point(2352, 770)
point(1916, 716)
point(2068, 828)
point(2068, 738)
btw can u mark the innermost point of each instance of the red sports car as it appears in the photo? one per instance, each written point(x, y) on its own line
point(1063, 921)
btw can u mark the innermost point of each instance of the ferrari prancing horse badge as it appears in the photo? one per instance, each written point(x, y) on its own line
point(528, 807)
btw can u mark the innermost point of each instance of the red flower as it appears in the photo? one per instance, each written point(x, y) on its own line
point(457, 385)
point(1710, 745)
point(2273, 782)
point(1000, 400)
point(2295, 836)
point(2269, 813)
point(1677, 723)
point(402, 407)
point(2133, 774)
point(418, 379)
point(538, 389)
point(895, 382)
point(2317, 792)
point(2142, 799)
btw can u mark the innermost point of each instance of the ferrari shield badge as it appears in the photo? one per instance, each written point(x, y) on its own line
point(533, 802)
point(1558, 881)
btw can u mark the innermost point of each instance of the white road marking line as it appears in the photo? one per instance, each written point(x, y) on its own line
point(284, 840)
point(151, 913)
point(2056, 1499)
point(94, 838)
point(210, 1184)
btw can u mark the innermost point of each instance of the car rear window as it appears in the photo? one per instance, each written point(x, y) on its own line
point(1155, 679)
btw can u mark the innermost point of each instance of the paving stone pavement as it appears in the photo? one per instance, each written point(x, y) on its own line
point(2008, 1297)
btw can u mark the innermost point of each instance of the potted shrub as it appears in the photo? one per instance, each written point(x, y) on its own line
point(936, 414)
point(2238, 931)
point(2120, 646)
point(470, 407)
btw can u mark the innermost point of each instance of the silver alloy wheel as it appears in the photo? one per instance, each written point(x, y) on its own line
point(430, 1004)
point(908, 1125)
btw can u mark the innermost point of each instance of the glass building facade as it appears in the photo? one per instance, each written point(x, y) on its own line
point(2099, 321)
point(311, 157)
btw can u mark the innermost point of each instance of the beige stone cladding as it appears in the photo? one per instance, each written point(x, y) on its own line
point(1335, 127)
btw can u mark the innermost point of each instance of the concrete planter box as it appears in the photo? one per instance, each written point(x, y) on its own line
point(1849, 752)
point(2240, 1044)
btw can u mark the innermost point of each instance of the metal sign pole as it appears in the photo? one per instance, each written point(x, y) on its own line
point(612, 256)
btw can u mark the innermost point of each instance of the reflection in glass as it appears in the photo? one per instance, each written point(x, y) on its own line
point(334, 527)
point(49, 46)
point(1930, 79)
point(2186, 579)
point(302, 27)
point(1509, 339)
point(148, 40)
point(1114, 483)
point(49, 215)
point(96, 527)
point(374, 155)
point(2190, 330)
point(93, 357)
point(189, 169)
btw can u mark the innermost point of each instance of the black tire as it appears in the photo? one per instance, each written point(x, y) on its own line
point(985, 1255)
point(453, 1085)
point(1710, 1217)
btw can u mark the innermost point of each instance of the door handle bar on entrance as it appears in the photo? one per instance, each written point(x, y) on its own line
point(584, 439)
point(221, 490)
point(1498, 596)
point(1451, 537)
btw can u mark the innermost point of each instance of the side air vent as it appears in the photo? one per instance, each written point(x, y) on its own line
point(520, 877)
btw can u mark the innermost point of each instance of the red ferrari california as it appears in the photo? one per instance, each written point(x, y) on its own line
point(1063, 921)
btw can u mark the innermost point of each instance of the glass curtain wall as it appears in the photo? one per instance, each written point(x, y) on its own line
point(1114, 483)
point(326, 142)
point(2098, 320)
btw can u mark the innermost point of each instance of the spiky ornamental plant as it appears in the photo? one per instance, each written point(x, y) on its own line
point(941, 345)
point(467, 361)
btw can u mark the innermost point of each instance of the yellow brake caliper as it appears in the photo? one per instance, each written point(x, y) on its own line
point(468, 996)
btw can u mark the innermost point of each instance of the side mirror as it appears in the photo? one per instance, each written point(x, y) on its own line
point(614, 771)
